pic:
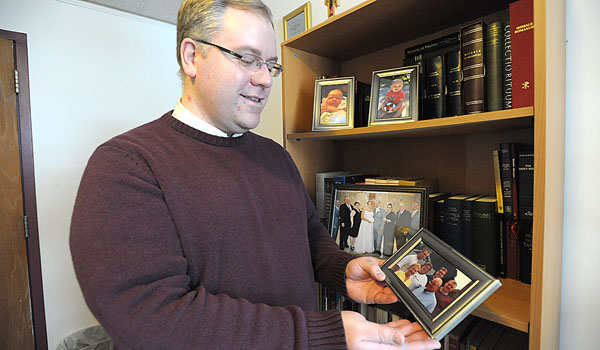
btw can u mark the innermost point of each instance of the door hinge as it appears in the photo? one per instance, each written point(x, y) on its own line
point(26, 226)
point(16, 81)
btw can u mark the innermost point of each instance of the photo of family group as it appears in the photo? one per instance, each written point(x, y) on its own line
point(432, 279)
point(376, 220)
point(438, 285)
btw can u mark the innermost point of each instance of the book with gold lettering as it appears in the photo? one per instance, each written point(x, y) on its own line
point(521, 30)
point(473, 69)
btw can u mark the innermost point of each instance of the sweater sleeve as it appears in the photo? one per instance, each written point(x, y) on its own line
point(130, 265)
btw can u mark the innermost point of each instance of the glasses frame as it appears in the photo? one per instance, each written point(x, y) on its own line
point(274, 65)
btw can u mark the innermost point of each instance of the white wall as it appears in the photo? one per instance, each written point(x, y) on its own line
point(93, 74)
point(580, 305)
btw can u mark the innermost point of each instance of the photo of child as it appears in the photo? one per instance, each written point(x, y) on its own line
point(333, 107)
point(392, 103)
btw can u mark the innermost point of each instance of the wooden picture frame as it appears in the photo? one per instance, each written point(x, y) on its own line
point(394, 96)
point(334, 104)
point(297, 21)
point(456, 292)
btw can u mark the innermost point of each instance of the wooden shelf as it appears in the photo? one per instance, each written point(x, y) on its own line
point(357, 25)
point(508, 306)
point(519, 118)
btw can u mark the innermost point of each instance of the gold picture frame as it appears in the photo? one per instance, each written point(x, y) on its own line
point(297, 21)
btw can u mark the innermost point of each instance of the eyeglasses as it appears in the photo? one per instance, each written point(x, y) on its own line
point(249, 61)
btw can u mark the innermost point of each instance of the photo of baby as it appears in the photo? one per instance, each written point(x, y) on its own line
point(333, 107)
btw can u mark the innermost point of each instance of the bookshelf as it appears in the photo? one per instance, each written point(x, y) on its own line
point(456, 150)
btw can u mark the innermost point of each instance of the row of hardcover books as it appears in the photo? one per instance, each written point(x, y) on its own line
point(484, 67)
point(472, 333)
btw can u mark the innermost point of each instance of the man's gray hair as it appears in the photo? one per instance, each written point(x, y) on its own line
point(202, 19)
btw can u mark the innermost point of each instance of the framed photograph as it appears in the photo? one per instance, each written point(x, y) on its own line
point(394, 96)
point(297, 21)
point(376, 219)
point(334, 104)
point(437, 284)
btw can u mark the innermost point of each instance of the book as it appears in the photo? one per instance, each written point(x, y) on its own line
point(466, 233)
point(324, 191)
point(453, 222)
point(475, 337)
point(500, 210)
point(493, 66)
point(435, 87)
point(506, 68)
point(351, 178)
point(431, 213)
point(438, 219)
point(453, 339)
point(453, 84)
point(473, 70)
point(508, 160)
point(521, 30)
point(430, 183)
point(498, 181)
point(490, 340)
point(485, 234)
point(525, 158)
point(448, 40)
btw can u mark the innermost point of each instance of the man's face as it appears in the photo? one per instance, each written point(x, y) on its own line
point(422, 255)
point(334, 98)
point(347, 200)
point(440, 273)
point(415, 206)
point(433, 285)
point(401, 207)
point(449, 286)
point(224, 93)
point(377, 204)
point(424, 269)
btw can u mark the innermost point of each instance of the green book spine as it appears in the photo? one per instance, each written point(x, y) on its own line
point(493, 66)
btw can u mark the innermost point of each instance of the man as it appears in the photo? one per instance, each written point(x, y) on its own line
point(419, 279)
point(378, 226)
point(402, 224)
point(426, 294)
point(440, 273)
point(443, 297)
point(335, 226)
point(415, 218)
point(388, 231)
point(345, 222)
point(163, 260)
point(412, 258)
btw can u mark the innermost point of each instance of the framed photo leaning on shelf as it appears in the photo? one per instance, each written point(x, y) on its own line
point(297, 21)
point(448, 292)
point(334, 104)
point(384, 216)
point(394, 96)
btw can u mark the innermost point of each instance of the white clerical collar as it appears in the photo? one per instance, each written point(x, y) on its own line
point(185, 116)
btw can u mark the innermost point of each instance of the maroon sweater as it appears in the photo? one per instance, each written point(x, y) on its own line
point(184, 240)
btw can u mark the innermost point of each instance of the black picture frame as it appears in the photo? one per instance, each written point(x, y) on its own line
point(341, 91)
point(395, 108)
point(472, 285)
point(394, 195)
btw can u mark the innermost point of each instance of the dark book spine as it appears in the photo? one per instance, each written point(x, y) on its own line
point(506, 178)
point(472, 62)
point(438, 224)
point(485, 234)
point(501, 246)
point(453, 222)
point(525, 180)
point(521, 27)
point(508, 174)
point(506, 69)
point(434, 103)
point(493, 66)
point(418, 61)
point(453, 88)
point(466, 233)
point(448, 40)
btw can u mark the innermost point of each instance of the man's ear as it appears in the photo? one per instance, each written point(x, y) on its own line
point(187, 52)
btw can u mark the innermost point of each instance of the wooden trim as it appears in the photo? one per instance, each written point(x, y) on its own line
point(29, 199)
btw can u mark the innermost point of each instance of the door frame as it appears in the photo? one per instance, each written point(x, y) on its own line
point(28, 180)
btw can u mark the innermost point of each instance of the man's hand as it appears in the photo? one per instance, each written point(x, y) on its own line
point(364, 282)
point(362, 334)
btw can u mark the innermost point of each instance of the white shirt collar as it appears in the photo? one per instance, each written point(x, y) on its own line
point(185, 116)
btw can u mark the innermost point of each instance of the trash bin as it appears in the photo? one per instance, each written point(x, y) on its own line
point(90, 338)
